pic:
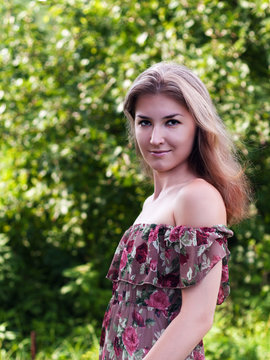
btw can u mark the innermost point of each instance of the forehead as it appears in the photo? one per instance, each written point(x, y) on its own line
point(157, 104)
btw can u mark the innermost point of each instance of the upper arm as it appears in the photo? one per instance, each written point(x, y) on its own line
point(200, 300)
point(199, 204)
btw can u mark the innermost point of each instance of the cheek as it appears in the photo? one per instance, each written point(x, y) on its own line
point(140, 137)
point(138, 145)
point(190, 134)
point(185, 139)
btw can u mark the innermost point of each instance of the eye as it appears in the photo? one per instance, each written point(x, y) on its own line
point(172, 122)
point(144, 123)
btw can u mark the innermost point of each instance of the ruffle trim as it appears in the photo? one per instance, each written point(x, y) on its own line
point(168, 256)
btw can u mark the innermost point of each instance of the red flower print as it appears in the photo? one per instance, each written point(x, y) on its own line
point(130, 339)
point(183, 258)
point(123, 259)
point(169, 253)
point(170, 280)
point(102, 337)
point(153, 265)
point(114, 286)
point(116, 346)
point(125, 238)
point(215, 259)
point(221, 296)
point(225, 273)
point(146, 351)
point(107, 318)
point(221, 240)
point(202, 237)
point(137, 317)
point(120, 297)
point(130, 246)
point(141, 253)
point(159, 300)
point(176, 233)
point(153, 234)
point(198, 356)
point(113, 273)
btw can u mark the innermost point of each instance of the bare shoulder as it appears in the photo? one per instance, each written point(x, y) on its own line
point(198, 190)
point(147, 200)
point(199, 204)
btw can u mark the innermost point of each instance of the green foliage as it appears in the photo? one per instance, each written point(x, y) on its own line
point(69, 180)
point(81, 343)
point(242, 338)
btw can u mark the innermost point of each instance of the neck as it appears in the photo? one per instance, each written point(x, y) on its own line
point(164, 182)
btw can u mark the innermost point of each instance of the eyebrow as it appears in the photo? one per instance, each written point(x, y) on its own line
point(165, 117)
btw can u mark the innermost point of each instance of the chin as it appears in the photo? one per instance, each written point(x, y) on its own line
point(160, 169)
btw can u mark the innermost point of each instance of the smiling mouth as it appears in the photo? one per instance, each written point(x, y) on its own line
point(159, 152)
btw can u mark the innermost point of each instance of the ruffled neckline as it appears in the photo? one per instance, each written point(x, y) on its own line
point(154, 225)
point(168, 256)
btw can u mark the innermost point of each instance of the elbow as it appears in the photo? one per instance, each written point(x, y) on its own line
point(202, 320)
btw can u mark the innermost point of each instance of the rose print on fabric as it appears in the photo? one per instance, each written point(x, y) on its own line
point(138, 319)
point(107, 318)
point(141, 253)
point(117, 347)
point(170, 280)
point(183, 258)
point(130, 339)
point(150, 267)
point(102, 337)
point(198, 356)
point(153, 265)
point(153, 235)
point(123, 259)
point(130, 246)
point(159, 300)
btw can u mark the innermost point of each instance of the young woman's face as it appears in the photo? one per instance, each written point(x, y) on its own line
point(164, 131)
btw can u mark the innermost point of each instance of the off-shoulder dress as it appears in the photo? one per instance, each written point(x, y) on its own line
point(151, 265)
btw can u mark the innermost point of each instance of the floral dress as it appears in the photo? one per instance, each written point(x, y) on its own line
point(151, 265)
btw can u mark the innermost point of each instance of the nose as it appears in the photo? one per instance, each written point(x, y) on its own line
point(156, 136)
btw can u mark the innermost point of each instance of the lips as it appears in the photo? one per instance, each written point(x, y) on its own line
point(159, 152)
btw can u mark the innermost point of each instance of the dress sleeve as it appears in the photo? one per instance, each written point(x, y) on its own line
point(195, 252)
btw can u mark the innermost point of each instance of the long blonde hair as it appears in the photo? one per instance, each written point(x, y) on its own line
point(214, 155)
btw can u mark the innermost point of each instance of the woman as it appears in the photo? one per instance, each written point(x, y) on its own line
point(170, 268)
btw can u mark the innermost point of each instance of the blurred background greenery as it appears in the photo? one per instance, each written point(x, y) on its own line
point(69, 181)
